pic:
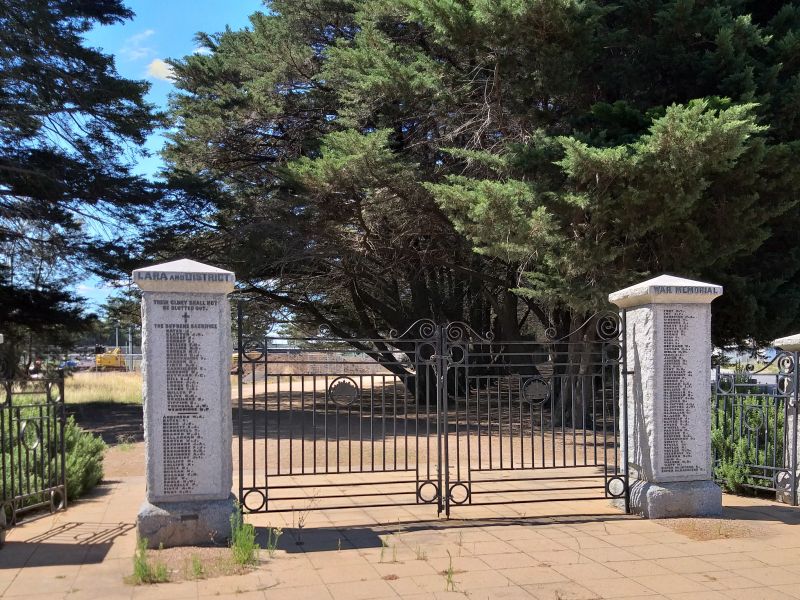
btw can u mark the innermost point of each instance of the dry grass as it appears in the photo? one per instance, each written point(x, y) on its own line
point(712, 529)
point(194, 563)
point(117, 387)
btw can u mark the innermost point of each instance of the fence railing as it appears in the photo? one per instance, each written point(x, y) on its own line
point(754, 429)
point(32, 449)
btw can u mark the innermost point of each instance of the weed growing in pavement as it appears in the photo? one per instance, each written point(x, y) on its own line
point(273, 535)
point(198, 572)
point(421, 554)
point(243, 540)
point(450, 584)
point(143, 571)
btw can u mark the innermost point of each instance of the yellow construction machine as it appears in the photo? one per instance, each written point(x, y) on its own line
point(110, 360)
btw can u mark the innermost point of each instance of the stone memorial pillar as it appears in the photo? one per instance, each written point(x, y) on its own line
point(789, 385)
point(186, 353)
point(668, 351)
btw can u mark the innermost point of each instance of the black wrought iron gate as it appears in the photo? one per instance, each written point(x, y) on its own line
point(32, 448)
point(437, 414)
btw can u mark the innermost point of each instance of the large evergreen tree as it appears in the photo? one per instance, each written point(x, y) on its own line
point(505, 162)
point(69, 128)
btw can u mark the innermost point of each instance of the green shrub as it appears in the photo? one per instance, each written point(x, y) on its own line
point(84, 459)
point(243, 540)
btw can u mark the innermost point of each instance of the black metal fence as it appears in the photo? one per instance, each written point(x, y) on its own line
point(32, 470)
point(438, 414)
point(754, 429)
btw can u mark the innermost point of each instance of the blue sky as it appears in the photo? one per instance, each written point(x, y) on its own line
point(161, 29)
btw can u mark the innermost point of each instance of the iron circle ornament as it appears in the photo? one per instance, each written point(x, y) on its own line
point(252, 351)
point(615, 486)
point(608, 326)
point(783, 480)
point(612, 351)
point(29, 435)
point(786, 364)
point(535, 390)
point(459, 493)
point(425, 352)
point(457, 354)
point(343, 391)
point(254, 500)
point(53, 392)
point(754, 418)
point(785, 385)
point(422, 492)
point(725, 384)
point(56, 500)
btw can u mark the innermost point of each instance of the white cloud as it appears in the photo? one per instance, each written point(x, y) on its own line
point(158, 69)
point(134, 47)
point(201, 50)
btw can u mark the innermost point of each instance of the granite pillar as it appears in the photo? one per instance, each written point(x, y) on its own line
point(186, 348)
point(668, 437)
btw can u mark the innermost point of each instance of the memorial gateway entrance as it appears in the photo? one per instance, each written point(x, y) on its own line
point(437, 414)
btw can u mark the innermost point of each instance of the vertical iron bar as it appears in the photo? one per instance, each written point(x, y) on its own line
point(5, 495)
point(383, 419)
point(500, 418)
point(313, 420)
point(361, 423)
point(291, 422)
point(240, 402)
point(277, 420)
point(394, 416)
point(444, 434)
point(62, 444)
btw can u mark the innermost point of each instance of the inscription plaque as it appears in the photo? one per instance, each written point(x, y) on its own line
point(679, 399)
point(184, 387)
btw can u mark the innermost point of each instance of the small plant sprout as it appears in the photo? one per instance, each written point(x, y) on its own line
point(243, 540)
point(460, 542)
point(384, 546)
point(421, 554)
point(339, 544)
point(273, 535)
point(197, 567)
point(450, 584)
point(302, 516)
point(143, 571)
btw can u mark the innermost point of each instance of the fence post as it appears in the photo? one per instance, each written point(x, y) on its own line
point(667, 433)
point(786, 487)
point(186, 353)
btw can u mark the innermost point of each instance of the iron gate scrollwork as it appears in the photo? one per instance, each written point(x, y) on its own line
point(437, 414)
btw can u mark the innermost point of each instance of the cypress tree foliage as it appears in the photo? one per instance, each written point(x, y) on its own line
point(504, 162)
point(68, 124)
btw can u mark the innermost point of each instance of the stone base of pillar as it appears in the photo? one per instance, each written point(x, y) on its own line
point(198, 523)
point(678, 499)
